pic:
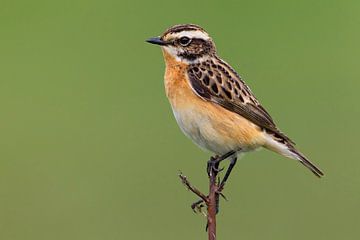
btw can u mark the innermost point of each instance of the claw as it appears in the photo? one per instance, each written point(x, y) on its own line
point(215, 169)
point(218, 169)
point(211, 166)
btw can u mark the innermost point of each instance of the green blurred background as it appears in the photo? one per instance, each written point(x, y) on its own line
point(89, 148)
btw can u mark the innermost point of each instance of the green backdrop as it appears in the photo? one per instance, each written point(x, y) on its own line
point(89, 148)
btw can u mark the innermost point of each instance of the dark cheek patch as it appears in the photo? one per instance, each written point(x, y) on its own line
point(197, 49)
point(189, 56)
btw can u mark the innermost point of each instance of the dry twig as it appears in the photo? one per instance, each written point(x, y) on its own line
point(211, 200)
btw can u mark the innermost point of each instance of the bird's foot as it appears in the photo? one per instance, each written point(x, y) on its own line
point(213, 165)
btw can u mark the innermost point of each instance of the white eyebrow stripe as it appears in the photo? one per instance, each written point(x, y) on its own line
point(191, 34)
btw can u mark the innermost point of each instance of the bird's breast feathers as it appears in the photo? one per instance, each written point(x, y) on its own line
point(209, 125)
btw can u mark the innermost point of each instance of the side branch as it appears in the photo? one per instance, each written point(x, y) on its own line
point(192, 188)
point(211, 200)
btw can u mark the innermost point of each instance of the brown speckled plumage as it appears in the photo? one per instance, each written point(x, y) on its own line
point(214, 80)
point(212, 104)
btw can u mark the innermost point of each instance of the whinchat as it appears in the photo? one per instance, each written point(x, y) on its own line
point(212, 104)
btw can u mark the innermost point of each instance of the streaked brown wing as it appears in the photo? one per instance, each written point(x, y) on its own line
point(216, 81)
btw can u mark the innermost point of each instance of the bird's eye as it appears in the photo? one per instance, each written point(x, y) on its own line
point(184, 41)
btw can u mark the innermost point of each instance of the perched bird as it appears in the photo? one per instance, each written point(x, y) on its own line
point(212, 104)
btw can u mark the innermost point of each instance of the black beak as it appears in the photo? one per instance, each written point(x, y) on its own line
point(157, 41)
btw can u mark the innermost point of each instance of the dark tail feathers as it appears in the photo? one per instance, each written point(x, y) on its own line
point(306, 162)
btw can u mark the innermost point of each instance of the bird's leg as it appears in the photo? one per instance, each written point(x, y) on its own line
point(213, 165)
point(212, 168)
point(227, 174)
point(221, 183)
point(214, 162)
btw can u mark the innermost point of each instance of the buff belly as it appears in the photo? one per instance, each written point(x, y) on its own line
point(215, 131)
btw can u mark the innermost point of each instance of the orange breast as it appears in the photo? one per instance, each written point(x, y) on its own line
point(209, 125)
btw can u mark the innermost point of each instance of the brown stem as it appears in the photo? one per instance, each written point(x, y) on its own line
point(211, 205)
point(210, 200)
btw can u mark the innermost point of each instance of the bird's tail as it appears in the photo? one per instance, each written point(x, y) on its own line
point(307, 163)
point(287, 149)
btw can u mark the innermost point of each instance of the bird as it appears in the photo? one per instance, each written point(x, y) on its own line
point(212, 104)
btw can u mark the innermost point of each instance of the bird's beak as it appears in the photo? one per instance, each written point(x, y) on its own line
point(157, 41)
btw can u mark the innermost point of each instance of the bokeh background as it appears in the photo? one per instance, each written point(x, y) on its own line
point(89, 148)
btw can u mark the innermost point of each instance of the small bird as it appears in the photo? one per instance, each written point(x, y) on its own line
point(212, 104)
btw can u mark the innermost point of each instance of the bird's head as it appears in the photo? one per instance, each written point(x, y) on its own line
point(187, 43)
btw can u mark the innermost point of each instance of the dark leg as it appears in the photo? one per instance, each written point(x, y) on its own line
point(213, 164)
point(227, 174)
point(215, 161)
point(223, 181)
